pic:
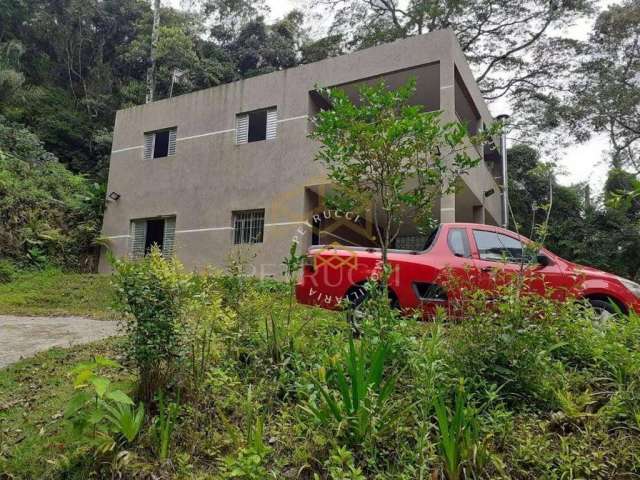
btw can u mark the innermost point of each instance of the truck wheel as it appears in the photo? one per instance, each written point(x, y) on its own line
point(603, 310)
point(355, 298)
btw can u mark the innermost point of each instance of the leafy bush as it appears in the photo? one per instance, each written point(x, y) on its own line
point(7, 271)
point(48, 214)
point(153, 292)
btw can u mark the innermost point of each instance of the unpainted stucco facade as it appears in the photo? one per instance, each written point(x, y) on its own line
point(210, 176)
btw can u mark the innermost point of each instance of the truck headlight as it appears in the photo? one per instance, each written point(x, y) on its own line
point(633, 287)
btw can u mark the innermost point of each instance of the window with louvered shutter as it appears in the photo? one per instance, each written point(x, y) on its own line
point(160, 143)
point(242, 128)
point(257, 125)
point(272, 123)
point(148, 146)
point(137, 238)
point(173, 137)
point(168, 247)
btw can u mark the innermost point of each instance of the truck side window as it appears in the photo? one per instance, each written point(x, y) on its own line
point(458, 242)
point(496, 247)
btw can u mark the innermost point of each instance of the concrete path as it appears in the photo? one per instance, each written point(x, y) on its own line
point(22, 337)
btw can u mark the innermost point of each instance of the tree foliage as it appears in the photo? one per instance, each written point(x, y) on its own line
point(606, 88)
point(47, 213)
point(601, 233)
point(516, 48)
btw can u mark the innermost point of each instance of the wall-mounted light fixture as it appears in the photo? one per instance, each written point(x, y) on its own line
point(115, 196)
point(488, 193)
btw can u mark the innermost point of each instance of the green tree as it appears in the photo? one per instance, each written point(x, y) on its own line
point(516, 48)
point(600, 233)
point(390, 156)
point(605, 89)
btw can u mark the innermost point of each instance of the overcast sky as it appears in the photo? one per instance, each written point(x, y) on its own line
point(584, 162)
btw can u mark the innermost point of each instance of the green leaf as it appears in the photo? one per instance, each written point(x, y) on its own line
point(76, 403)
point(82, 377)
point(119, 397)
point(101, 385)
point(106, 362)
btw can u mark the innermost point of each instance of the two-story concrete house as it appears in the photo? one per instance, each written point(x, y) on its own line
point(205, 172)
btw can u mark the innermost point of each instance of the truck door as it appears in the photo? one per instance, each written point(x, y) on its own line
point(498, 260)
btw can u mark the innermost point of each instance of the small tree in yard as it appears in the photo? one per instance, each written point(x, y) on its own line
point(153, 292)
point(391, 156)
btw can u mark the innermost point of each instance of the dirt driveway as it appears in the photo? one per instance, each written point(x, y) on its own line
point(22, 337)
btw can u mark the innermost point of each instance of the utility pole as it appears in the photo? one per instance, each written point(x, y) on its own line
point(505, 185)
point(151, 71)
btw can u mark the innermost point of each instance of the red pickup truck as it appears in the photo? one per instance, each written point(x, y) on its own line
point(454, 254)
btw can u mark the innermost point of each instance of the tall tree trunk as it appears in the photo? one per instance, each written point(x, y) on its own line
point(151, 72)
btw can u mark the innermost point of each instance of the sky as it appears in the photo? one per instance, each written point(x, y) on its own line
point(578, 163)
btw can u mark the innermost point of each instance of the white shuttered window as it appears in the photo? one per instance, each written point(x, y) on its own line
point(242, 128)
point(145, 233)
point(137, 238)
point(173, 137)
point(160, 144)
point(257, 125)
point(272, 123)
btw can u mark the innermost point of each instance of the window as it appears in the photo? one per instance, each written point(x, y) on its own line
point(248, 226)
point(496, 247)
point(257, 125)
point(160, 144)
point(153, 231)
point(458, 242)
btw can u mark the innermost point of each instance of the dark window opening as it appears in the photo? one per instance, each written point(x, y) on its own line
point(430, 292)
point(155, 234)
point(161, 144)
point(315, 231)
point(465, 107)
point(431, 239)
point(257, 126)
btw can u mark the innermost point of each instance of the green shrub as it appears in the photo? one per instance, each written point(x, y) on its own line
point(153, 292)
point(7, 271)
point(48, 214)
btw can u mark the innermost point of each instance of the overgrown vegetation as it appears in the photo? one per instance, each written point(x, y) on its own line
point(527, 388)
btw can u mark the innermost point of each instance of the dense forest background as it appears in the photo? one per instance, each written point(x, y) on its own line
point(66, 66)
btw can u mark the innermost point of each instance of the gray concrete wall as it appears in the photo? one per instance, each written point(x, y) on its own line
point(210, 176)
